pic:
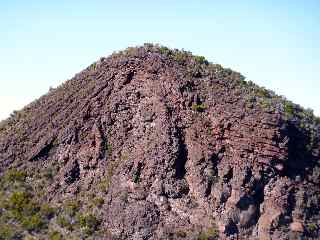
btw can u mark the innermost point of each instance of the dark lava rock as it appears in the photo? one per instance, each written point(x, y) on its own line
point(153, 143)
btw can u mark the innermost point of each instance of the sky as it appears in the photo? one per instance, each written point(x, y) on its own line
point(275, 44)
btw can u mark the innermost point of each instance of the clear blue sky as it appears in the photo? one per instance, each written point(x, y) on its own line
point(276, 44)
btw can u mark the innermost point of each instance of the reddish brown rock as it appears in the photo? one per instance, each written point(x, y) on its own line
point(177, 148)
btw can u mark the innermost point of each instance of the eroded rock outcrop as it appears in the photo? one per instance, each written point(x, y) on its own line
point(174, 147)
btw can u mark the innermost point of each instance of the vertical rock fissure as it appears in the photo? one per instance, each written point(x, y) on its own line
point(182, 156)
point(212, 177)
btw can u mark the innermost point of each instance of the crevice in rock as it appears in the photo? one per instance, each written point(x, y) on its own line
point(227, 178)
point(291, 202)
point(74, 173)
point(212, 174)
point(248, 176)
point(136, 173)
point(300, 160)
point(258, 197)
point(129, 78)
point(43, 152)
point(231, 229)
point(100, 142)
point(187, 87)
point(258, 193)
point(182, 156)
point(244, 202)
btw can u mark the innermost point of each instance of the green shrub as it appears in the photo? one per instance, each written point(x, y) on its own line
point(181, 234)
point(63, 222)
point(289, 109)
point(262, 92)
point(136, 176)
point(180, 56)
point(130, 51)
point(47, 211)
point(8, 232)
point(200, 59)
point(13, 175)
point(88, 223)
point(55, 236)
point(312, 227)
point(20, 205)
point(33, 223)
point(93, 66)
point(103, 185)
point(199, 107)
point(209, 234)
point(148, 46)
point(18, 200)
point(109, 148)
point(72, 207)
point(20, 208)
point(98, 201)
point(164, 50)
point(48, 173)
point(112, 166)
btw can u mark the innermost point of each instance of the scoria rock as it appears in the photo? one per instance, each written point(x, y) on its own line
point(155, 143)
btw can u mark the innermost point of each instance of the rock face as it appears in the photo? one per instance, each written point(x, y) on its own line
point(173, 147)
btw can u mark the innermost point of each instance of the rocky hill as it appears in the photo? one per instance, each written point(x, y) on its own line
point(154, 143)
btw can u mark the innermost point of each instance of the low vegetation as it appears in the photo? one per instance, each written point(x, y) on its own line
point(199, 107)
point(209, 234)
point(88, 223)
point(22, 212)
point(55, 235)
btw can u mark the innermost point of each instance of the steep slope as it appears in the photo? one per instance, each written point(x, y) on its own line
point(153, 143)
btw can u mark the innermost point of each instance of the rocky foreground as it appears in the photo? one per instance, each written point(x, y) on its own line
point(154, 143)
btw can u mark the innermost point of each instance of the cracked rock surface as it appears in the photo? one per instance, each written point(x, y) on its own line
point(177, 149)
